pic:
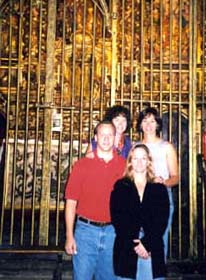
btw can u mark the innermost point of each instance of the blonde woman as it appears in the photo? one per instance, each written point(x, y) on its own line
point(139, 212)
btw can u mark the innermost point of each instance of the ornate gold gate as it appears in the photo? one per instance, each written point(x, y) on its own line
point(62, 63)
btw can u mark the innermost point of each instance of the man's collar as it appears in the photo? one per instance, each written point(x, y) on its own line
point(114, 153)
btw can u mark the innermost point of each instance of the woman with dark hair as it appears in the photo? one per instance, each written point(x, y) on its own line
point(164, 157)
point(148, 112)
point(120, 117)
point(139, 212)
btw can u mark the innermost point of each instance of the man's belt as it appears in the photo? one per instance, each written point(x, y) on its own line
point(94, 223)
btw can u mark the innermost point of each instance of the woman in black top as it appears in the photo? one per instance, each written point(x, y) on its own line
point(139, 213)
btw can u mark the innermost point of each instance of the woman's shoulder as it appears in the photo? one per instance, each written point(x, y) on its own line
point(167, 144)
point(122, 183)
point(157, 188)
point(127, 139)
point(158, 193)
point(123, 191)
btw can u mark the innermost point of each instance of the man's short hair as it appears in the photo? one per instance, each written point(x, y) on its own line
point(107, 122)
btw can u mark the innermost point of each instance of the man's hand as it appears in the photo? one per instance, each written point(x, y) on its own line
point(70, 246)
point(70, 213)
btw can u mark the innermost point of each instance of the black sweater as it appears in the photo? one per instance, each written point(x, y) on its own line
point(128, 215)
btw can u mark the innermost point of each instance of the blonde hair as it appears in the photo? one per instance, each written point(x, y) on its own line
point(129, 169)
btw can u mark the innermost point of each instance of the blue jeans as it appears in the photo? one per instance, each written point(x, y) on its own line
point(122, 278)
point(94, 256)
point(144, 271)
point(144, 268)
point(169, 224)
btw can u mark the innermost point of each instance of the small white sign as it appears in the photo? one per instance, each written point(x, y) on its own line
point(56, 122)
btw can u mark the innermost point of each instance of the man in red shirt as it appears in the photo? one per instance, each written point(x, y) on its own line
point(87, 200)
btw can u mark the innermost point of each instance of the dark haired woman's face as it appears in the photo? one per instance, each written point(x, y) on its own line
point(149, 124)
point(120, 122)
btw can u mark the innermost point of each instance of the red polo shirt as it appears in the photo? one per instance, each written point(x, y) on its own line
point(91, 182)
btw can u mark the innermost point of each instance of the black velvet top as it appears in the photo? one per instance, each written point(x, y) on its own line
point(128, 215)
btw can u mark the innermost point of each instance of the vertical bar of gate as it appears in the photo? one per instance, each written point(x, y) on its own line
point(46, 177)
point(6, 175)
point(73, 86)
point(161, 53)
point(192, 136)
point(102, 92)
point(180, 129)
point(204, 119)
point(1, 206)
point(82, 88)
point(170, 107)
point(91, 93)
point(16, 131)
point(132, 62)
point(19, 76)
point(151, 55)
point(142, 54)
point(36, 144)
point(122, 53)
point(26, 125)
point(114, 52)
point(60, 140)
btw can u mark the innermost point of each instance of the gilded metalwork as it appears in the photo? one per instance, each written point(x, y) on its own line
point(61, 66)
